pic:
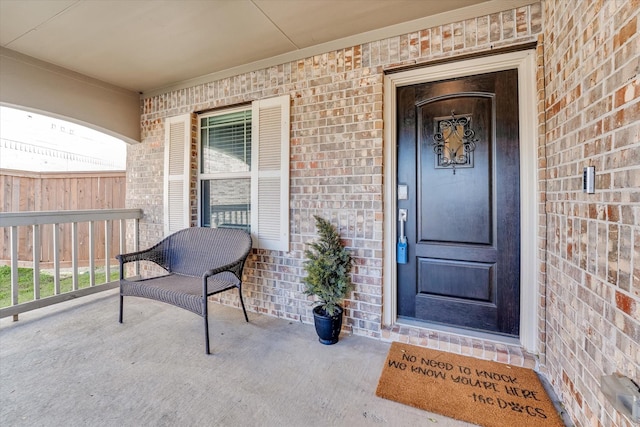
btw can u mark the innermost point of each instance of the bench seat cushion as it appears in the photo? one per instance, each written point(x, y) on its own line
point(177, 289)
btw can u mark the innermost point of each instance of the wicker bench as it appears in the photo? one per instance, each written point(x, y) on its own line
point(200, 262)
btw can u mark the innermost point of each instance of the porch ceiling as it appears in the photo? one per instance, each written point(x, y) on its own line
point(147, 44)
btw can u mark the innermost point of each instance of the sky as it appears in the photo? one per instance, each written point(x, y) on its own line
point(38, 143)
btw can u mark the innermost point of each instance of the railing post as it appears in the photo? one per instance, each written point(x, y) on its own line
point(36, 261)
point(136, 242)
point(92, 255)
point(74, 253)
point(108, 226)
point(14, 268)
point(56, 259)
point(123, 236)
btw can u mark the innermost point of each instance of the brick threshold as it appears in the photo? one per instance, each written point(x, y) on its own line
point(478, 348)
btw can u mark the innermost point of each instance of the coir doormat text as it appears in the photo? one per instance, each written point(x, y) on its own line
point(487, 393)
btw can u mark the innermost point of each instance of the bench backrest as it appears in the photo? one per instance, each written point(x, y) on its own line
point(193, 251)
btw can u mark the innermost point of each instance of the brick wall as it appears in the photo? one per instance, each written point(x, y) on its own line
point(592, 60)
point(336, 152)
point(336, 158)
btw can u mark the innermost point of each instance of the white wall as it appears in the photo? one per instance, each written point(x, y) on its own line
point(34, 85)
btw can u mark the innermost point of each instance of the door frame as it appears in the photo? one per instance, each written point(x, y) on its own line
point(525, 62)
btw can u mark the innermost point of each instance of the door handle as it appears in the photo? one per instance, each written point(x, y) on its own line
point(402, 218)
point(401, 250)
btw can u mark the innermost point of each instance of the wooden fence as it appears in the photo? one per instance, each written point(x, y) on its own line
point(59, 191)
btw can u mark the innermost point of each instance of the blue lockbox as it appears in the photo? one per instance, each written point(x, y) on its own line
point(401, 252)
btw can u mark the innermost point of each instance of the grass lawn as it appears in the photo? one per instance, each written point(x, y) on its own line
point(25, 284)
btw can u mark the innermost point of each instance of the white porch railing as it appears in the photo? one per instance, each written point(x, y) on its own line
point(13, 220)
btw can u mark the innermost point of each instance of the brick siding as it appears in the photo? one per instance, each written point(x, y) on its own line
point(336, 153)
point(592, 60)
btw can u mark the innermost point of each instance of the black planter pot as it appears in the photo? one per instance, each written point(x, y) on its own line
point(327, 327)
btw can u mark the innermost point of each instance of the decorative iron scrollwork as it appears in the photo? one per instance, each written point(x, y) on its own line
point(454, 142)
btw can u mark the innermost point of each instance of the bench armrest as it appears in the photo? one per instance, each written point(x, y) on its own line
point(133, 256)
point(234, 267)
point(151, 254)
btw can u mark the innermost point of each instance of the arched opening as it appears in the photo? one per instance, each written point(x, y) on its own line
point(49, 168)
point(39, 143)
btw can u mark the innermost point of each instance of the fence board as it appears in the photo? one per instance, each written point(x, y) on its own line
point(50, 191)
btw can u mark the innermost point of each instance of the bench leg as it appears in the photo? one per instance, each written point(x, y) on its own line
point(121, 301)
point(206, 334)
point(242, 303)
point(205, 315)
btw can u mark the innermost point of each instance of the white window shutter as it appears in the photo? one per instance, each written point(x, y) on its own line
point(177, 153)
point(270, 173)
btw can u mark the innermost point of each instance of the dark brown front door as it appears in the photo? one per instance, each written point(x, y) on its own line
point(458, 176)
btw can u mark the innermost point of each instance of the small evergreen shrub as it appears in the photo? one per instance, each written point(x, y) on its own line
point(328, 266)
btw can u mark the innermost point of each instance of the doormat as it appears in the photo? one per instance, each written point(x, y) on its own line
point(486, 393)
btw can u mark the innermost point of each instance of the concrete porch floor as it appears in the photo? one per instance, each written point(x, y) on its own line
point(73, 364)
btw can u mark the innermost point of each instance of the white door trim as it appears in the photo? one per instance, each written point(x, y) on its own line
point(525, 63)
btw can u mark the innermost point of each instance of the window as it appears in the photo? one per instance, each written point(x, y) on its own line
point(243, 171)
point(225, 169)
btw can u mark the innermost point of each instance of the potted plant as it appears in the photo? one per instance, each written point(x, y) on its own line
point(328, 264)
